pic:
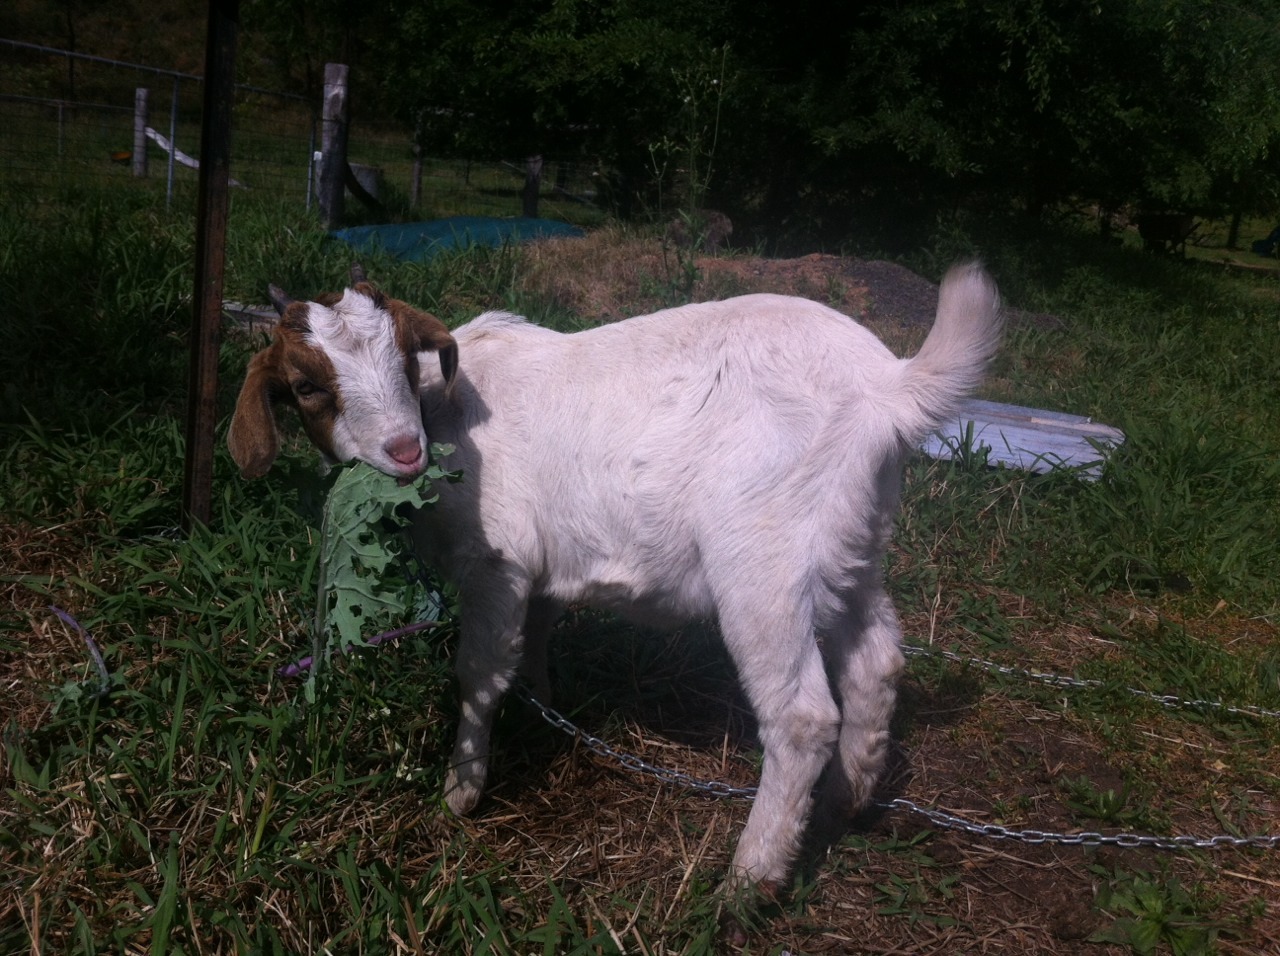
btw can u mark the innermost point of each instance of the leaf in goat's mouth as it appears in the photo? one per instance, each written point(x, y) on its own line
point(364, 557)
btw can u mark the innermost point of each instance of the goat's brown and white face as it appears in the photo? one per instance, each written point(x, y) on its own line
point(348, 363)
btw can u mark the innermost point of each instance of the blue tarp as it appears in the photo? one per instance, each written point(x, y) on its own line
point(419, 241)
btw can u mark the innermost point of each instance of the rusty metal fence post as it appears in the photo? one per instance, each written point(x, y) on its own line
point(211, 234)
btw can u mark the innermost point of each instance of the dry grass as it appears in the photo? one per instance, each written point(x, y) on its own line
point(612, 274)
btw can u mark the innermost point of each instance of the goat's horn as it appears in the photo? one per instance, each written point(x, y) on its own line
point(357, 273)
point(279, 298)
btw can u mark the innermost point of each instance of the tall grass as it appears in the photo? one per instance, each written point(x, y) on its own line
point(1181, 357)
point(203, 807)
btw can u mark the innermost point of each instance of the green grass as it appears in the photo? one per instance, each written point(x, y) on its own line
point(206, 807)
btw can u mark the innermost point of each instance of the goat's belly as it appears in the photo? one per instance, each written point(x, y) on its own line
point(658, 597)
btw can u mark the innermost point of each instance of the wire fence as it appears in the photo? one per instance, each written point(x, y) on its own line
point(75, 121)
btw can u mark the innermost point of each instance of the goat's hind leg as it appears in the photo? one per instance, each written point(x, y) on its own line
point(488, 655)
point(782, 672)
point(863, 651)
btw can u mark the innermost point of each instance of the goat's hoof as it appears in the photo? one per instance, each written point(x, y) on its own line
point(460, 797)
point(733, 932)
point(741, 912)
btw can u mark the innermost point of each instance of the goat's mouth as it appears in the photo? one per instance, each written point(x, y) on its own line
point(405, 473)
point(406, 458)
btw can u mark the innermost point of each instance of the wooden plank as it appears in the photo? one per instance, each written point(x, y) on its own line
point(1022, 415)
point(1030, 439)
point(333, 144)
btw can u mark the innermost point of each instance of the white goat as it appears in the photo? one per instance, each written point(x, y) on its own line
point(736, 459)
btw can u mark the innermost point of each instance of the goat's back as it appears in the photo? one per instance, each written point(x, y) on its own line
point(736, 394)
point(648, 456)
point(755, 350)
point(778, 370)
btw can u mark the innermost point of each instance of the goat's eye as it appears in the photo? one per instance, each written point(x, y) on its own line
point(304, 388)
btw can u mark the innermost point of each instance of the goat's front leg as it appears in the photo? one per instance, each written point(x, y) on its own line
point(488, 654)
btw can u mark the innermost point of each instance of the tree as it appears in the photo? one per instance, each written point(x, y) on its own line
point(877, 110)
point(1149, 102)
point(595, 77)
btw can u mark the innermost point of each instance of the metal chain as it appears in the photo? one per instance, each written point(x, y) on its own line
point(631, 761)
point(1061, 680)
point(949, 821)
point(939, 818)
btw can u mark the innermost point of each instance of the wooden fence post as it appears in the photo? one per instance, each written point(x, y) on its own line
point(140, 132)
point(532, 186)
point(415, 179)
point(333, 144)
point(211, 235)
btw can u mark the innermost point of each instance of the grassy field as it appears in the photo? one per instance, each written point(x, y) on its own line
point(51, 151)
point(185, 798)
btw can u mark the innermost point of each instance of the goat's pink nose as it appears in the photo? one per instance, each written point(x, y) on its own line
point(406, 449)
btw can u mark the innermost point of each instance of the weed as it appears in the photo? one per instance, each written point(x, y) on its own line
point(687, 156)
point(684, 276)
point(1151, 912)
point(912, 897)
point(910, 848)
point(689, 150)
point(1111, 806)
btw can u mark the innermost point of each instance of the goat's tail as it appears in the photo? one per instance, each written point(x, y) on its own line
point(951, 363)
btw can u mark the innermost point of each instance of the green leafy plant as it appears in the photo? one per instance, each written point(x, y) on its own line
point(912, 896)
point(369, 576)
point(1151, 912)
point(1109, 805)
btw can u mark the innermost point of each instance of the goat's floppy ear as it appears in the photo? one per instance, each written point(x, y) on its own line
point(448, 362)
point(429, 334)
point(252, 437)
